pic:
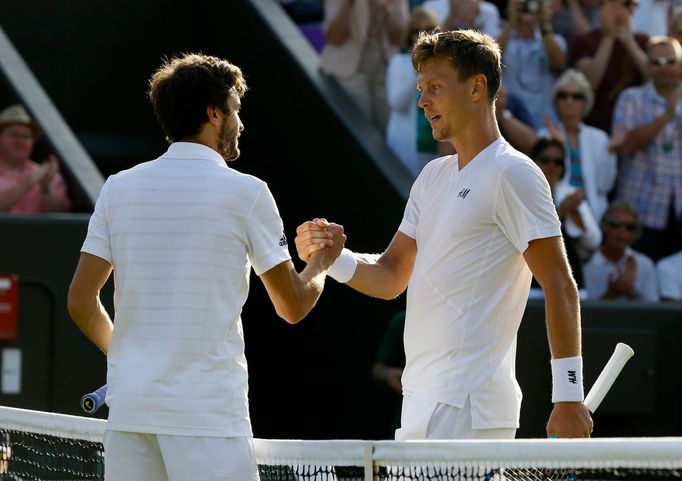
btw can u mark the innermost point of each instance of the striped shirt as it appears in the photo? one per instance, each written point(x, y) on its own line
point(182, 233)
point(652, 179)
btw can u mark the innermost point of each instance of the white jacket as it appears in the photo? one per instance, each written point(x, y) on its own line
point(599, 166)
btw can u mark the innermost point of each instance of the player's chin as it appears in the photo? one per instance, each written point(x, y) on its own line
point(231, 154)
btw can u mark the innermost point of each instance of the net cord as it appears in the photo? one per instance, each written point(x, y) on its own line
point(657, 453)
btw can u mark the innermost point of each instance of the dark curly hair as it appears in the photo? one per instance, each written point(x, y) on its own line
point(184, 86)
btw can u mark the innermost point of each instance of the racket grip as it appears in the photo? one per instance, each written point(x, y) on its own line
point(606, 378)
point(90, 403)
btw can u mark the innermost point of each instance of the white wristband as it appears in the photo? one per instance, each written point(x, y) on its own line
point(343, 268)
point(567, 379)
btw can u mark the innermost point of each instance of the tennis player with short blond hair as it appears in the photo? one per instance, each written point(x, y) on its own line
point(477, 226)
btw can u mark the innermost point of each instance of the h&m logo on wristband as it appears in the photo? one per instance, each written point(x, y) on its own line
point(572, 377)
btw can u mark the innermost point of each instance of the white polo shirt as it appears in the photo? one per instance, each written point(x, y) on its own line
point(470, 283)
point(182, 233)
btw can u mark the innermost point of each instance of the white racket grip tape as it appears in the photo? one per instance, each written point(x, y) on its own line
point(608, 375)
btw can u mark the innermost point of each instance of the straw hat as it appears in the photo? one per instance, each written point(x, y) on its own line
point(16, 114)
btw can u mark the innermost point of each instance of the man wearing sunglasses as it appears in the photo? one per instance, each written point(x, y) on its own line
point(648, 133)
point(616, 271)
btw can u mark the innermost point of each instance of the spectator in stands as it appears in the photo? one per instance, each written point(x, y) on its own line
point(476, 14)
point(362, 35)
point(27, 187)
point(581, 231)
point(409, 134)
point(612, 58)
point(669, 270)
point(675, 28)
point(616, 271)
point(652, 17)
point(573, 17)
point(648, 134)
point(532, 53)
point(514, 121)
point(589, 164)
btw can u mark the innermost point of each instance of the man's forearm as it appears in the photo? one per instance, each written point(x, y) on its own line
point(595, 67)
point(641, 136)
point(94, 321)
point(555, 56)
point(563, 321)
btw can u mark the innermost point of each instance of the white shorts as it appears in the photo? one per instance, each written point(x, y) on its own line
point(159, 457)
point(425, 419)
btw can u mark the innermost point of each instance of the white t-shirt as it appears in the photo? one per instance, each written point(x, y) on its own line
point(599, 269)
point(669, 271)
point(470, 283)
point(182, 233)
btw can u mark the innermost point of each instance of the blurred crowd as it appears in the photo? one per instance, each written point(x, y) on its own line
point(592, 92)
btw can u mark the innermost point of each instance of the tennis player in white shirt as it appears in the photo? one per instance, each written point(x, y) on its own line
point(181, 234)
point(477, 226)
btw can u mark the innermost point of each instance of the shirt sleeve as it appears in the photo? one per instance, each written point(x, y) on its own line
point(267, 243)
point(98, 240)
point(625, 112)
point(408, 225)
point(524, 209)
point(648, 288)
point(669, 281)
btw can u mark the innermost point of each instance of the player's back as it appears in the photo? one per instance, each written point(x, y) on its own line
point(179, 248)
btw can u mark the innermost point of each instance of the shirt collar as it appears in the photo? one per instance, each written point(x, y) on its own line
point(650, 90)
point(192, 150)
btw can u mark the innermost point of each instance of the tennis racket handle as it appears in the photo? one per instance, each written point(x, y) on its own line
point(90, 403)
point(601, 386)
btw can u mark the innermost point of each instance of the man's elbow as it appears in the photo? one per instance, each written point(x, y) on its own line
point(292, 315)
point(79, 306)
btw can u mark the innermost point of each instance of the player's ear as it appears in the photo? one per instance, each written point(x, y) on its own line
point(212, 114)
point(479, 87)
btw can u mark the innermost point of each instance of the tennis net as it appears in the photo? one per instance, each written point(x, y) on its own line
point(47, 446)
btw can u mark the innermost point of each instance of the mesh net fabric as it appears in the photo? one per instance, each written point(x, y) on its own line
point(46, 446)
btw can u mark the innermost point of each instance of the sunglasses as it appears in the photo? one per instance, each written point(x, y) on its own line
point(613, 223)
point(663, 61)
point(572, 95)
point(546, 159)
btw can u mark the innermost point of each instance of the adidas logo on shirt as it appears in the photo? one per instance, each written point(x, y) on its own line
point(463, 193)
point(283, 240)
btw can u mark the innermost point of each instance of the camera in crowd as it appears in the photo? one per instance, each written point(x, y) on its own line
point(531, 6)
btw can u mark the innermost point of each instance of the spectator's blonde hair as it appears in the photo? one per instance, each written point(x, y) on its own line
point(470, 52)
point(577, 77)
point(663, 40)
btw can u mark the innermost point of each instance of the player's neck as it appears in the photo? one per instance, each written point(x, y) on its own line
point(476, 137)
point(205, 137)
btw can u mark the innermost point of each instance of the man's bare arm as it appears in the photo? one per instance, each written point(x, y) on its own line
point(84, 304)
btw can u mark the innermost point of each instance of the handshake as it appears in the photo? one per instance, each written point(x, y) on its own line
point(319, 237)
